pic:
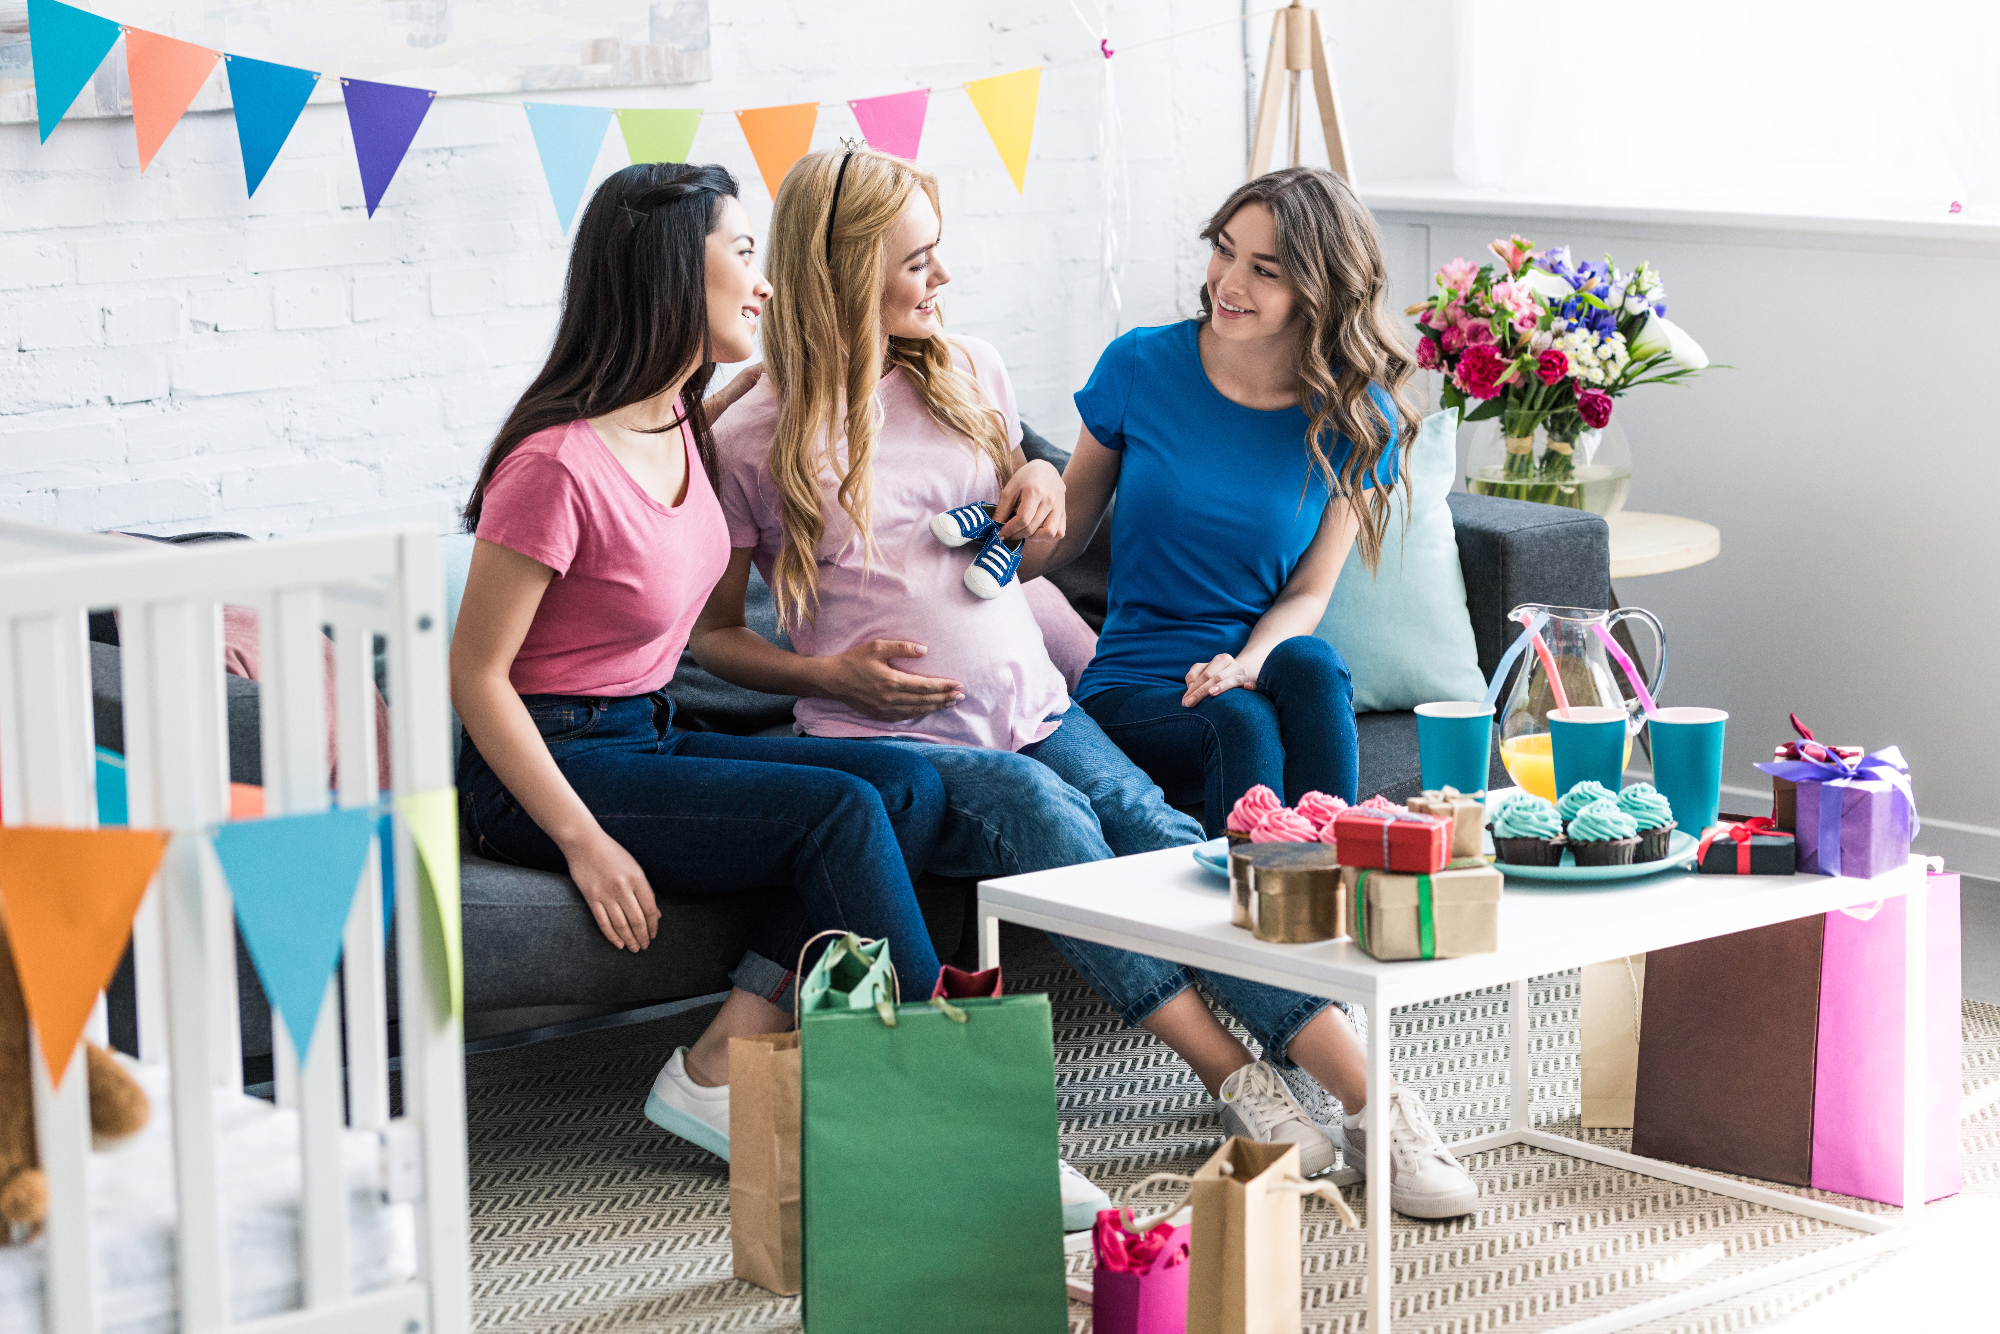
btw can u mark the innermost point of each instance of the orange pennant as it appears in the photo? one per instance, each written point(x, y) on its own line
point(165, 75)
point(69, 896)
point(779, 136)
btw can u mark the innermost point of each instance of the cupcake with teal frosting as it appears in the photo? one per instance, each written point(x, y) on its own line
point(1582, 795)
point(1654, 816)
point(1528, 832)
point(1601, 834)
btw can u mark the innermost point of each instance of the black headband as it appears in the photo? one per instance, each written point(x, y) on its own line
point(835, 206)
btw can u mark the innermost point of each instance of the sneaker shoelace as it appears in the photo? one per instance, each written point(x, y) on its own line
point(970, 518)
point(1261, 1096)
point(1411, 1133)
point(997, 559)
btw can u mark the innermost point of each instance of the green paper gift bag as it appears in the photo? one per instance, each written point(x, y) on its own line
point(927, 1161)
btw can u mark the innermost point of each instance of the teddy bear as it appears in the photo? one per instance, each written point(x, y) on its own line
point(118, 1108)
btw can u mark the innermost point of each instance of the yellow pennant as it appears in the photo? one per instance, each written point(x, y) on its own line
point(433, 821)
point(1006, 103)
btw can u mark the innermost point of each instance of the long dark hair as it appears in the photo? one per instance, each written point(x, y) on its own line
point(1332, 257)
point(634, 313)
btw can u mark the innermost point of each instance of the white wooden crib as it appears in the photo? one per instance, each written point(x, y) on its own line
point(169, 602)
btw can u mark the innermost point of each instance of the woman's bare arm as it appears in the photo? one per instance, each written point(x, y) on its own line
point(1088, 483)
point(861, 678)
point(502, 591)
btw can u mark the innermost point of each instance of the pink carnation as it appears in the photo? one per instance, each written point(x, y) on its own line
point(1553, 365)
point(1453, 339)
point(1477, 332)
point(1594, 406)
point(1459, 275)
point(1320, 808)
point(1252, 807)
point(1284, 825)
point(1428, 355)
point(1479, 371)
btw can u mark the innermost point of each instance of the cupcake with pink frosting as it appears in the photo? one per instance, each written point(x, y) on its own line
point(1378, 802)
point(1284, 825)
point(1249, 812)
point(1320, 808)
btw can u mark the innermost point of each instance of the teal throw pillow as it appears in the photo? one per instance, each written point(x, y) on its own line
point(1405, 633)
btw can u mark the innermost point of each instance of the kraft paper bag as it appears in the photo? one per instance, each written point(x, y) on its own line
point(1245, 1262)
point(1612, 994)
point(764, 1161)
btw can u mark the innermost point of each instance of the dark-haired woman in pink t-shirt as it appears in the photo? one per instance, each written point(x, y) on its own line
point(599, 540)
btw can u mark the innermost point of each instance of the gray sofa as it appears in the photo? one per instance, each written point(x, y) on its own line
point(533, 954)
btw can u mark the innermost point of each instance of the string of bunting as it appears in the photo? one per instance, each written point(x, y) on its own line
point(68, 44)
point(69, 897)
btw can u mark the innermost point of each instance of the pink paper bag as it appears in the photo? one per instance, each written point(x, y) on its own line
point(1858, 1089)
point(1140, 1285)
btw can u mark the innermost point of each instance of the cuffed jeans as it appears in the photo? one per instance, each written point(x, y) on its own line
point(833, 830)
point(1294, 733)
point(1075, 797)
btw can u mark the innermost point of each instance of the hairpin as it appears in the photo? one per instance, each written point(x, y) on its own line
point(634, 215)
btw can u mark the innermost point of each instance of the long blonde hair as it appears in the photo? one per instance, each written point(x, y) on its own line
point(823, 354)
point(1329, 250)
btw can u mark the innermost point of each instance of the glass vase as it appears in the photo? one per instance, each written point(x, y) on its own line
point(1592, 471)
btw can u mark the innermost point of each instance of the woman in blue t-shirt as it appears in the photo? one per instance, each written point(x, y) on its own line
point(1251, 449)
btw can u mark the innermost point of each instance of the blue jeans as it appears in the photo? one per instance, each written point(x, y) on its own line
point(1074, 797)
point(832, 829)
point(1294, 733)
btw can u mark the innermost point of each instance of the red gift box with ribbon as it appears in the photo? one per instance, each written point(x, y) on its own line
point(1376, 839)
point(1748, 847)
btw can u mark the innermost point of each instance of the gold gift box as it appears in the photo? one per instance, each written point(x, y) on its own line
point(1292, 891)
point(1467, 814)
point(1385, 911)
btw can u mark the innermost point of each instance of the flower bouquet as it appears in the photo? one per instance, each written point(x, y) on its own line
point(1545, 343)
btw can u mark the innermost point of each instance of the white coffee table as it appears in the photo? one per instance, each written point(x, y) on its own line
point(1164, 904)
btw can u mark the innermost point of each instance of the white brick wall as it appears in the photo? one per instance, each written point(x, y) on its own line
point(174, 356)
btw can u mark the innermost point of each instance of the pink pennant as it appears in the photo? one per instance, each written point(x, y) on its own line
point(893, 123)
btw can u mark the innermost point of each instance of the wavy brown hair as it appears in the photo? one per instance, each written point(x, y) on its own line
point(824, 353)
point(1331, 255)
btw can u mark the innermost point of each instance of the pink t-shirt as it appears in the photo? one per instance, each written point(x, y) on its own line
point(913, 588)
point(631, 573)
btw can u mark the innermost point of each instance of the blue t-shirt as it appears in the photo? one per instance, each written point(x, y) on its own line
point(1216, 503)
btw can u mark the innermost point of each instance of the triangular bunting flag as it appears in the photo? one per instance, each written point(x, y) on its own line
point(658, 136)
point(165, 75)
point(567, 138)
point(893, 123)
point(779, 136)
point(268, 101)
point(433, 821)
point(67, 45)
point(1006, 103)
point(69, 896)
point(384, 118)
point(293, 878)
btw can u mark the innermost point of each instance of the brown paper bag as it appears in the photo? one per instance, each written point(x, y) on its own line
point(1612, 994)
point(764, 1161)
point(1244, 1274)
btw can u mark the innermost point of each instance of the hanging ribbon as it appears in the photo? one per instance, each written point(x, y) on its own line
point(1740, 833)
point(1884, 769)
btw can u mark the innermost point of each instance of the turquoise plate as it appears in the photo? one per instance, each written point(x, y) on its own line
point(1680, 852)
point(1214, 856)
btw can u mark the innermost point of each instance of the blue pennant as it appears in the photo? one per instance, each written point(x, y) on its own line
point(268, 101)
point(67, 45)
point(568, 139)
point(294, 879)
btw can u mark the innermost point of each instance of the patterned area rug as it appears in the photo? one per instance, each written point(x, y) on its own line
point(585, 1218)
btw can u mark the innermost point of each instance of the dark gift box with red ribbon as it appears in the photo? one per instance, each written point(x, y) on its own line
point(1749, 847)
point(1392, 840)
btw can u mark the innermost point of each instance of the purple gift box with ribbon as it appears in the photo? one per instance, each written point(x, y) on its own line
point(1856, 817)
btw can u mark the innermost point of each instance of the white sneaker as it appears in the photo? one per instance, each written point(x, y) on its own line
point(1425, 1181)
point(697, 1114)
point(1257, 1105)
point(1081, 1201)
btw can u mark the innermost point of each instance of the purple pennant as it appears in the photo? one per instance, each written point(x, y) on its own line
point(384, 118)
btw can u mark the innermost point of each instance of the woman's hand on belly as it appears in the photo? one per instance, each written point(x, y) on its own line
point(1205, 680)
point(617, 891)
point(864, 679)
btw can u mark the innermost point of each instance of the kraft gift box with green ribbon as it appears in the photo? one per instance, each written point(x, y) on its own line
point(1443, 915)
point(927, 1157)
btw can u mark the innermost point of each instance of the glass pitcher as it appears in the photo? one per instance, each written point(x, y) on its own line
point(1576, 638)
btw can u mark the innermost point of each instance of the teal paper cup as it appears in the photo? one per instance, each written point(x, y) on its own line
point(1454, 743)
point(1687, 763)
point(1589, 745)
